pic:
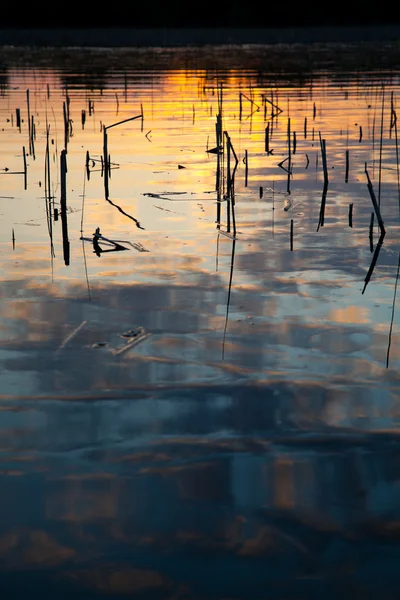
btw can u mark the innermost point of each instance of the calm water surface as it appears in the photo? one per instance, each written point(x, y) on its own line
point(198, 404)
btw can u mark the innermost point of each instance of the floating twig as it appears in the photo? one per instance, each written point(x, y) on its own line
point(70, 336)
point(138, 336)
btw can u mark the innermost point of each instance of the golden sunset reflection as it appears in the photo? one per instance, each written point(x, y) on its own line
point(199, 362)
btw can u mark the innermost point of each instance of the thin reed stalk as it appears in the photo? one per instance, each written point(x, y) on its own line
point(374, 202)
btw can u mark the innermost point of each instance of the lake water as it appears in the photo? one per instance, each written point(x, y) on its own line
point(200, 400)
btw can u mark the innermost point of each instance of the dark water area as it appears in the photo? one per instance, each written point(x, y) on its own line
point(199, 379)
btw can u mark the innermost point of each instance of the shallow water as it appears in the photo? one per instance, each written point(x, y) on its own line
point(204, 413)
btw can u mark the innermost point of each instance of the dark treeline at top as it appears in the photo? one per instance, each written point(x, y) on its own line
point(178, 14)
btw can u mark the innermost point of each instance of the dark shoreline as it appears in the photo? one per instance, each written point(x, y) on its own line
point(178, 37)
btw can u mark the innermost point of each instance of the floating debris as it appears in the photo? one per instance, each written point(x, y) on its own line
point(287, 204)
point(135, 336)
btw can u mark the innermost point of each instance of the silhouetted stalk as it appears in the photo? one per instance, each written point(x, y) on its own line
point(47, 192)
point(346, 177)
point(29, 121)
point(305, 127)
point(374, 260)
point(229, 296)
point(397, 157)
point(267, 139)
point(374, 202)
point(393, 308)
point(380, 148)
point(33, 137)
point(289, 157)
point(87, 165)
point(291, 235)
point(351, 215)
point(246, 170)
point(371, 232)
point(63, 206)
point(18, 118)
point(323, 204)
point(25, 168)
point(105, 159)
point(323, 153)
